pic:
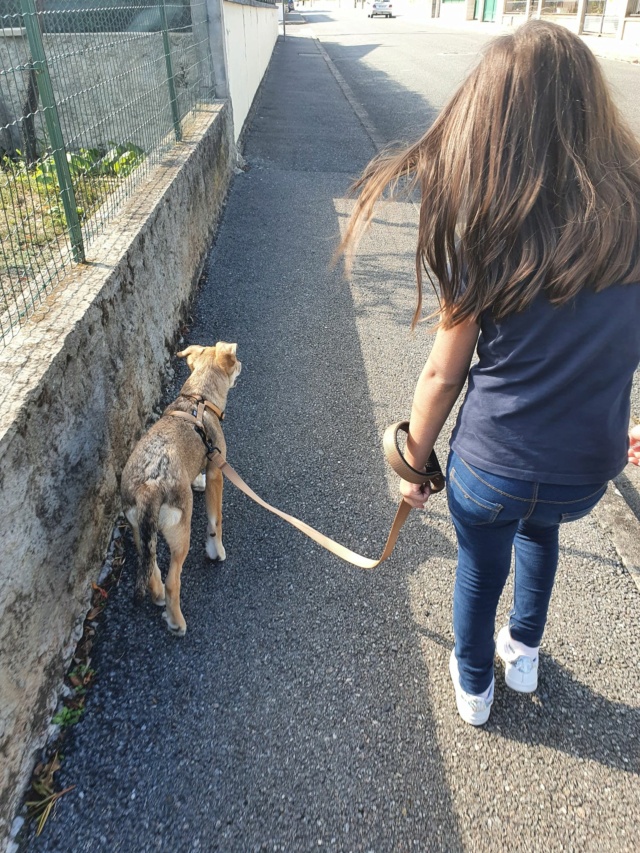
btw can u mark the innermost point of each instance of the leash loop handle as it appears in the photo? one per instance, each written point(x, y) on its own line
point(431, 473)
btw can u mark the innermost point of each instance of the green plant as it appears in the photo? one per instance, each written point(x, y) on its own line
point(32, 214)
point(121, 160)
point(92, 173)
point(115, 161)
point(46, 175)
point(68, 716)
point(80, 678)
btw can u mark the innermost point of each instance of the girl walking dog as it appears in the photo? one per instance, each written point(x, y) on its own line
point(530, 222)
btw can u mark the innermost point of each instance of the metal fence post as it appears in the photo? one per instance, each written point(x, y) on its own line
point(175, 113)
point(54, 129)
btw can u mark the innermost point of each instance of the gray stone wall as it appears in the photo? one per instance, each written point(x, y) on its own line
point(77, 386)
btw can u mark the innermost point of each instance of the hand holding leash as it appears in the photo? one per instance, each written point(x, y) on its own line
point(414, 494)
point(416, 486)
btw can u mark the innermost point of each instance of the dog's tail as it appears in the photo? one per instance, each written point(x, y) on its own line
point(148, 502)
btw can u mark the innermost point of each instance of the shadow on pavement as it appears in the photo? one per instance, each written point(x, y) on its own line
point(564, 715)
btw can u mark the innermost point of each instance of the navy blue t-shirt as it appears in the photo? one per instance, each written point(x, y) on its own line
point(549, 398)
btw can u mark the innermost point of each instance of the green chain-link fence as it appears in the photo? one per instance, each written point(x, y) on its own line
point(92, 93)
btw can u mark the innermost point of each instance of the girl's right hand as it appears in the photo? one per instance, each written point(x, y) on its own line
point(634, 445)
point(415, 495)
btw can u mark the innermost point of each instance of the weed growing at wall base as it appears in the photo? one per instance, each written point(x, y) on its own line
point(43, 797)
point(43, 792)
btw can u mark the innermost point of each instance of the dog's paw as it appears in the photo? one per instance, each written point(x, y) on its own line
point(199, 483)
point(215, 549)
point(159, 601)
point(176, 630)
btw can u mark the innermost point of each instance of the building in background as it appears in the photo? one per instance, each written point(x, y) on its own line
point(613, 18)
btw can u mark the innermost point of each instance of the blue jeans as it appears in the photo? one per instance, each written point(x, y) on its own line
point(493, 514)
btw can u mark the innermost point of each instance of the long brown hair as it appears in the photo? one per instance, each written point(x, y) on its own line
point(529, 181)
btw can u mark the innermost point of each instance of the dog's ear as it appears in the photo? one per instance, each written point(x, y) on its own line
point(191, 354)
point(226, 356)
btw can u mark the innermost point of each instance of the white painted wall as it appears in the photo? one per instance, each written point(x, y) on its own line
point(251, 31)
point(631, 32)
point(454, 11)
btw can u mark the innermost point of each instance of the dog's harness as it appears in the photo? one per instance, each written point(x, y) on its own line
point(196, 419)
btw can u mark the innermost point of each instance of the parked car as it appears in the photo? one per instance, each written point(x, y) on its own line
point(380, 7)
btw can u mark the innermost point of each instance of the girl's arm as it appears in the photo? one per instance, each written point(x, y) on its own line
point(438, 388)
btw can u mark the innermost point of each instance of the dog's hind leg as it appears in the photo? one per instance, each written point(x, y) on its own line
point(156, 587)
point(143, 518)
point(213, 500)
point(176, 529)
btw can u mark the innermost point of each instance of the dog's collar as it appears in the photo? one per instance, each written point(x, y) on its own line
point(200, 400)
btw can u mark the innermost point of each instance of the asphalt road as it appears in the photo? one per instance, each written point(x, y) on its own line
point(309, 705)
point(404, 70)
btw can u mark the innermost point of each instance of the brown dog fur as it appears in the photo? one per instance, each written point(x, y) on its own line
point(156, 481)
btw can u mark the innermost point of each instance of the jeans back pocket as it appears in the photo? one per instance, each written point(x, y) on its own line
point(467, 505)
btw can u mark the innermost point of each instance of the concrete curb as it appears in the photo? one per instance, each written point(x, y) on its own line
point(615, 517)
point(610, 49)
point(360, 112)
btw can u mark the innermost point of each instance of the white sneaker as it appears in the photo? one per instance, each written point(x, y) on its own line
point(520, 662)
point(473, 709)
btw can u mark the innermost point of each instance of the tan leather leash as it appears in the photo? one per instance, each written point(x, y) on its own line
point(431, 475)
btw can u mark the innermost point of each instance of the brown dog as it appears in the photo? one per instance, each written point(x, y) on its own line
point(156, 481)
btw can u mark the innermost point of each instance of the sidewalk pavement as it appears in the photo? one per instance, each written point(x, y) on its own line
point(612, 48)
point(309, 705)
